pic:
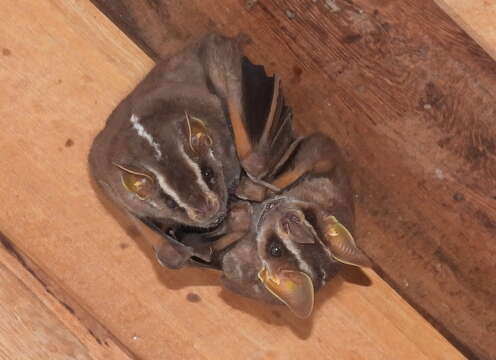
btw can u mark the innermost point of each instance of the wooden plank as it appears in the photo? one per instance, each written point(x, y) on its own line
point(477, 18)
point(410, 97)
point(67, 68)
point(59, 312)
point(29, 330)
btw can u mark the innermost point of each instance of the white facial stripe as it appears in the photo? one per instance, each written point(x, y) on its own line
point(291, 246)
point(145, 135)
point(168, 190)
point(326, 250)
point(196, 169)
point(322, 268)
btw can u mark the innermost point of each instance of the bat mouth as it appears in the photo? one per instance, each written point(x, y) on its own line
point(196, 236)
point(207, 231)
point(179, 232)
point(192, 236)
point(208, 234)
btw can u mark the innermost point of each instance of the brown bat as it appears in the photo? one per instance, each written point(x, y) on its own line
point(166, 155)
point(298, 236)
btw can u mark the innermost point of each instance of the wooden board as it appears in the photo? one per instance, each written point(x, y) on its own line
point(477, 18)
point(39, 320)
point(410, 97)
point(28, 328)
point(64, 69)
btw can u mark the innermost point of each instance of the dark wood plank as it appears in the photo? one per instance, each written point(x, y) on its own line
point(410, 98)
point(41, 320)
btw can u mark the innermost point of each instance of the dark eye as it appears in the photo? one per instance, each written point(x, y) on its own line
point(208, 174)
point(170, 202)
point(275, 248)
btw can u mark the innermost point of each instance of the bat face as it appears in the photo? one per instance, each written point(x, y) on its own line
point(169, 161)
point(283, 259)
point(180, 180)
point(166, 154)
point(296, 244)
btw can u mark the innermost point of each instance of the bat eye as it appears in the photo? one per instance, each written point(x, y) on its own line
point(136, 182)
point(170, 202)
point(275, 248)
point(207, 173)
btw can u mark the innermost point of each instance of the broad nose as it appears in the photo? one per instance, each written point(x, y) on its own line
point(213, 203)
point(208, 211)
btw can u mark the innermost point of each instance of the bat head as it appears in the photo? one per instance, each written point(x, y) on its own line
point(170, 161)
point(289, 254)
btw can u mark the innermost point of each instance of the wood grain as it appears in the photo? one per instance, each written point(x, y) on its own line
point(57, 326)
point(410, 98)
point(67, 68)
point(64, 314)
point(477, 18)
point(29, 328)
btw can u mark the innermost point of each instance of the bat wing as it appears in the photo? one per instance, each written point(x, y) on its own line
point(259, 118)
point(267, 121)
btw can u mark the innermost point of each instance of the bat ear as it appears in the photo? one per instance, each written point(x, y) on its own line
point(137, 182)
point(198, 133)
point(293, 288)
point(294, 226)
point(342, 245)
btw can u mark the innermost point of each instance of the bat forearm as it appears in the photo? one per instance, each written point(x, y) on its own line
point(317, 154)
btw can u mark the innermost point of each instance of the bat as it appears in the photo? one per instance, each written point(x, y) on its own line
point(300, 235)
point(166, 155)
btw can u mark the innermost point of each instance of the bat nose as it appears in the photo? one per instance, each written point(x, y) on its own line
point(208, 212)
point(219, 219)
point(213, 203)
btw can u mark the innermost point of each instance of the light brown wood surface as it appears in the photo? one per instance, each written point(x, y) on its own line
point(38, 321)
point(64, 68)
point(477, 18)
point(28, 328)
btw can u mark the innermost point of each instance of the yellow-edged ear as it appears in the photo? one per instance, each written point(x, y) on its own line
point(342, 244)
point(197, 133)
point(293, 288)
point(136, 182)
